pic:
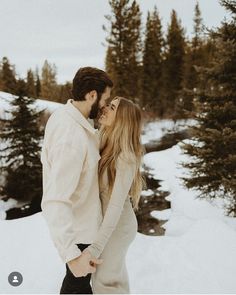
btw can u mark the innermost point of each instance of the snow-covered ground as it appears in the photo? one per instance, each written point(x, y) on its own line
point(155, 130)
point(196, 255)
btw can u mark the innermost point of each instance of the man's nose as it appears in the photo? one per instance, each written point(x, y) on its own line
point(102, 104)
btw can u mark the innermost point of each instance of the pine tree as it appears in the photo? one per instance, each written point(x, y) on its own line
point(1, 80)
point(37, 84)
point(152, 63)
point(198, 28)
point(48, 81)
point(124, 48)
point(21, 156)
point(109, 62)
point(212, 150)
point(30, 84)
point(64, 92)
point(194, 57)
point(8, 76)
point(173, 65)
point(38, 87)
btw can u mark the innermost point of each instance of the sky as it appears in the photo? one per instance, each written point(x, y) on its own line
point(69, 33)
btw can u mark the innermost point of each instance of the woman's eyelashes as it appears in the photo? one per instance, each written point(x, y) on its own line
point(111, 106)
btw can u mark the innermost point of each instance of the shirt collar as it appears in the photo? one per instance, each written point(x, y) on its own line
point(78, 117)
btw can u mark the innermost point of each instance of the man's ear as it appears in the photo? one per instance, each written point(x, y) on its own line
point(93, 95)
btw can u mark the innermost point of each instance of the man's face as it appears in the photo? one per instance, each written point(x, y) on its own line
point(97, 106)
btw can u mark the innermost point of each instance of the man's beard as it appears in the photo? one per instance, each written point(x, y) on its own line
point(94, 110)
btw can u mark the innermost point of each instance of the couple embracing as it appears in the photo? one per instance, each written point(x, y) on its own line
point(92, 184)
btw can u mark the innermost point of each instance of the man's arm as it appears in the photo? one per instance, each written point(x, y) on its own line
point(66, 163)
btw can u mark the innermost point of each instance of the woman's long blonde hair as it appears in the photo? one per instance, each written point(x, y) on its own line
point(123, 136)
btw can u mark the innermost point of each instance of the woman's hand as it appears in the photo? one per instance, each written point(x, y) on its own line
point(83, 264)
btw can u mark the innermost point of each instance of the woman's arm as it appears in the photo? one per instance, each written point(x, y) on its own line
point(125, 173)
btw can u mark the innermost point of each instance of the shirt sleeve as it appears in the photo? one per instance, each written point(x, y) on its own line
point(65, 164)
point(125, 173)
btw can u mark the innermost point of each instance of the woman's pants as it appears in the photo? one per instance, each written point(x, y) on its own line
point(74, 285)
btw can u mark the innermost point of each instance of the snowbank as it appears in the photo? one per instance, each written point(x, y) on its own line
point(5, 99)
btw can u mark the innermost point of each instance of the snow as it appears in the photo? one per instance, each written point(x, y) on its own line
point(5, 99)
point(156, 129)
point(27, 248)
point(197, 254)
point(161, 215)
point(4, 206)
point(147, 193)
point(200, 261)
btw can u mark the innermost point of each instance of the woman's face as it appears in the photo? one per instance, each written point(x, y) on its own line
point(109, 113)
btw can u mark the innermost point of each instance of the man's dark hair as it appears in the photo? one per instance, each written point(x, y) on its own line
point(88, 79)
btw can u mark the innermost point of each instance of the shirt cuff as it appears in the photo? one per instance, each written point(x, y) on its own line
point(70, 253)
point(94, 251)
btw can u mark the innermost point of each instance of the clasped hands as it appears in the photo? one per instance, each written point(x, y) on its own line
point(84, 264)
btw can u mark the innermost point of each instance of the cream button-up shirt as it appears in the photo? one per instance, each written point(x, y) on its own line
point(70, 202)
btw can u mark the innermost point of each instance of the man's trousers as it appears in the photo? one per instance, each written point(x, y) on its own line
point(74, 285)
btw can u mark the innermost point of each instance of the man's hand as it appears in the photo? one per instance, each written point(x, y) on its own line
point(84, 264)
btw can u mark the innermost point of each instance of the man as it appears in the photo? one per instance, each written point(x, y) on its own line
point(70, 155)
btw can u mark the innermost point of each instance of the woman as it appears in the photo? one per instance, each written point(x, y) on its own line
point(120, 187)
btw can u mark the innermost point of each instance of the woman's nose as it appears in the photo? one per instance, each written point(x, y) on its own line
point(102, 109)
point(105, 109)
